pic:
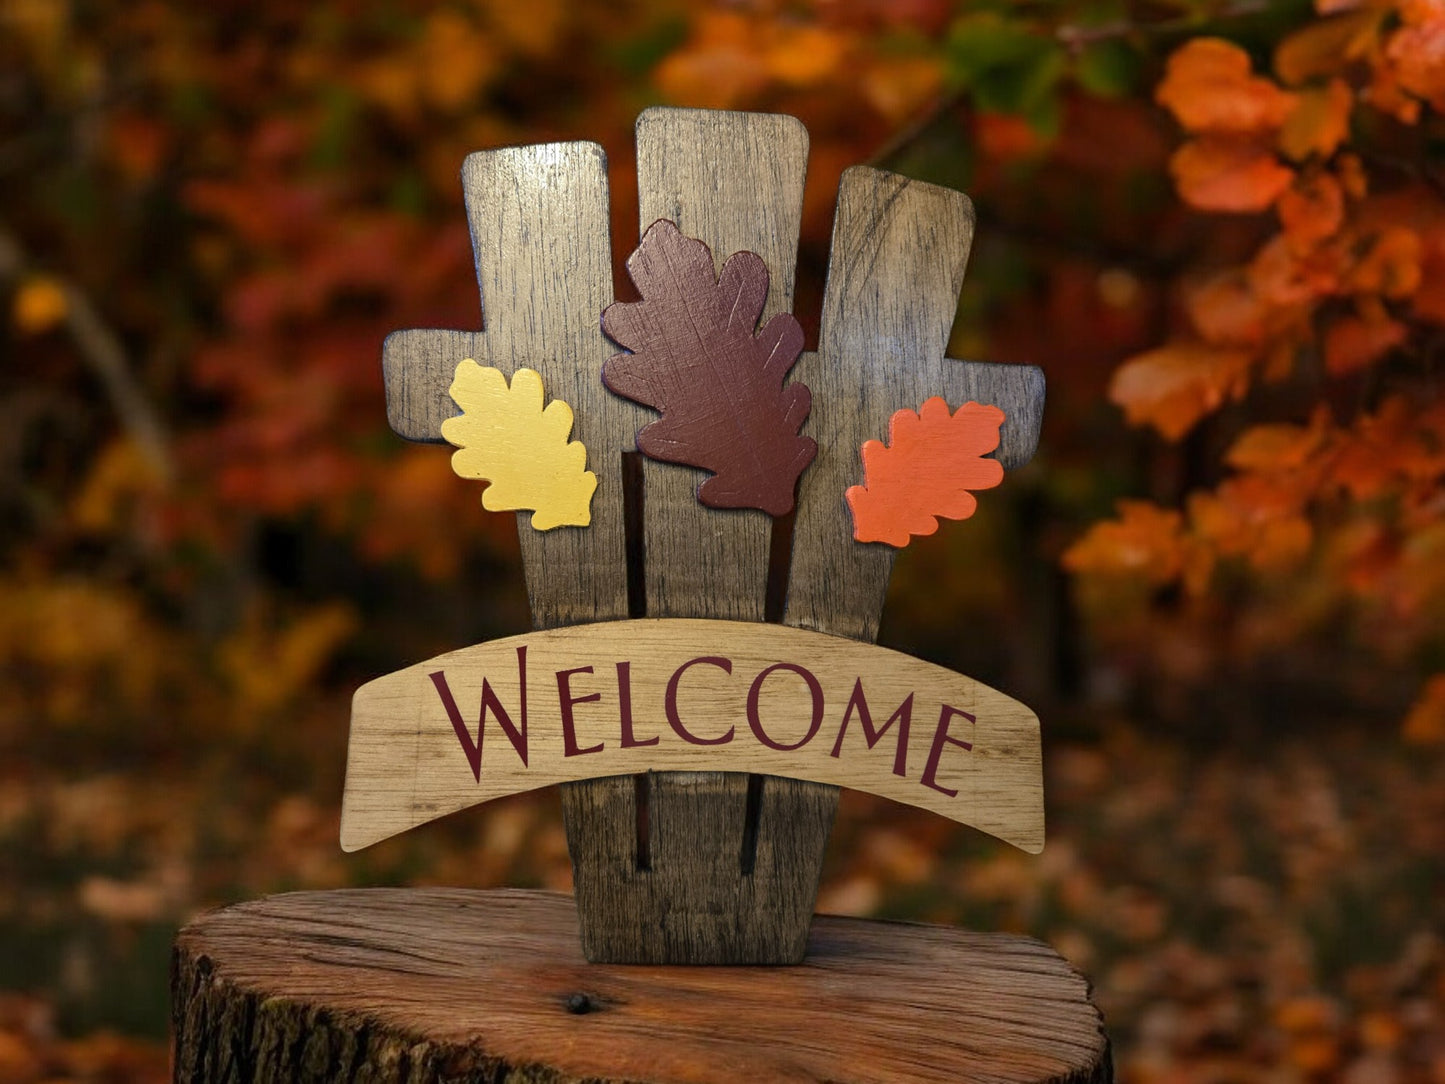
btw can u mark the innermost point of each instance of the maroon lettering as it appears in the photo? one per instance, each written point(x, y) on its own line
point(670, 702)
point(624, 700)
point(941, 737)
point(490, 702)
point(569, 719)
point(903, 716)
point(814, 689)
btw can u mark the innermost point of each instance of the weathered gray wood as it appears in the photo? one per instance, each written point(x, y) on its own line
point(899, 252)
point(429, 985)
point(539, 225)
point(735, 182)
point(682, 894)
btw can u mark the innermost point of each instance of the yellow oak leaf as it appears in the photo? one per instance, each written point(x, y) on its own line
point(505, 437)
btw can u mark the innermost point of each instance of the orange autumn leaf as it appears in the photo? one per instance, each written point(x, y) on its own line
point(1209, 87)
point(1416, 51)
point(720, 67)
point(805, 55)
point(1326, 47)
point(1145, 541)
point(1319, 123)
point(1285, 277)
point(1312, 211)
point(1425, 724)
point(1218, 173)
point(1174, 386)
point(1226, 311)
point(1254, 517)
point(38, 305)
point(1277, 447)
point(1391, 265)
point(897, 87)
point(1352, 343)
point(932, 461)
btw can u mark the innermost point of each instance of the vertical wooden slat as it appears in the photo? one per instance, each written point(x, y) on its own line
point(732, 860)
point(539, 224)
point(735, 182)
point(899, 252)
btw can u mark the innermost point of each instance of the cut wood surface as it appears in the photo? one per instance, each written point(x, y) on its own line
point(675, 694)
point(431, 985)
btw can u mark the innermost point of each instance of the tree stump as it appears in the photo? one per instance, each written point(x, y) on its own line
point(423, 985)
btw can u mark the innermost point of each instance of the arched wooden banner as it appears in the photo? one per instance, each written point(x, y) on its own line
point(662, 694)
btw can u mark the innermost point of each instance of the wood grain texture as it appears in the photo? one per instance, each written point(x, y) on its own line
point(735, 182)
point(539, 223)
point(696, 695)
point(899, 252)
point(432, 985)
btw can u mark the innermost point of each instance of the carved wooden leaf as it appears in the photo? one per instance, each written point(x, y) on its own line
point(932, 461)
point(504, 436)
point(695, 357)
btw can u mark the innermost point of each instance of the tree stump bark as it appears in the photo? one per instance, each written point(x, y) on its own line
point(432, 985)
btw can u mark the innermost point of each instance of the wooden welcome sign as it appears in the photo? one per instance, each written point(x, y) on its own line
point(649, 448)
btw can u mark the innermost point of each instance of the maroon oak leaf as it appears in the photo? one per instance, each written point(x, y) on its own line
point(694, 357)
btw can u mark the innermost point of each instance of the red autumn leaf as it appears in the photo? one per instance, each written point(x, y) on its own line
point(1222, 173)
point(932, 461)
point(1172, 387)
point(1209, 87)
point(695, 357)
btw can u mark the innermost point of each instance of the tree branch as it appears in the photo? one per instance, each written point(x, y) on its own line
point(101, 349)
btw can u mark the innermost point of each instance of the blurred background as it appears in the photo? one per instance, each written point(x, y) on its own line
point(1219, 227)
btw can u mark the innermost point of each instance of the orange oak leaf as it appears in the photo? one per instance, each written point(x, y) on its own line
point(1174, 386)
point(695, 357)
point(932, 460)
point(1209, 87)
point(1228, 173)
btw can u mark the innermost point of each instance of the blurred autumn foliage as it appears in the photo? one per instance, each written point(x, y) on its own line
point(1219, 226)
